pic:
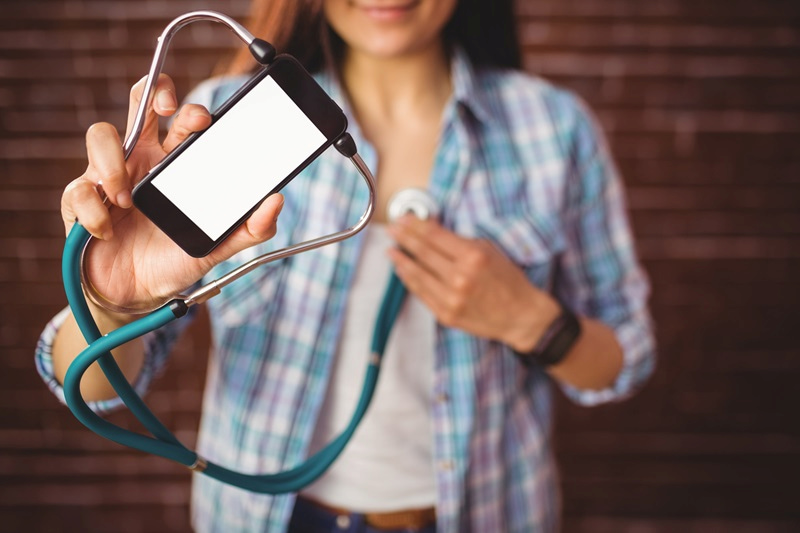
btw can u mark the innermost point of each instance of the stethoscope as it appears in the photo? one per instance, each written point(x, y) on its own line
point(163, 443)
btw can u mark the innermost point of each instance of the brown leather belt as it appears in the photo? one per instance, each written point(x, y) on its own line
point(408, 518)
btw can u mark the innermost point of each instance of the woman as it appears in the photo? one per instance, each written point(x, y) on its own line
point(532, 233)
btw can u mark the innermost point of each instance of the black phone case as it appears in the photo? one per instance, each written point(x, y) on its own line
point(304, 91)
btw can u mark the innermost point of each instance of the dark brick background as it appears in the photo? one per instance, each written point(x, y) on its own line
point(701, 101)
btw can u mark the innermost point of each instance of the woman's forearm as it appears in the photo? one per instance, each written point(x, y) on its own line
point(594, 361)
point(69, 343)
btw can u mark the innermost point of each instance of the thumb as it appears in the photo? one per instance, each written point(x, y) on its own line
point(192, 118)
point(261, 226)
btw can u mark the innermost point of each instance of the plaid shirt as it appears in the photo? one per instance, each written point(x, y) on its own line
point(519, 162)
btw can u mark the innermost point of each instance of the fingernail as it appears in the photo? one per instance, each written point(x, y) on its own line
point(124, 199)
point(166, 100)
point(279, 207)
point(198, 112)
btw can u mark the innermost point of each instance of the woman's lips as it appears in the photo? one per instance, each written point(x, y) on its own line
point(387, 12)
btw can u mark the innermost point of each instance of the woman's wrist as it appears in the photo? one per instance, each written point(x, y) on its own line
point(538, 311)
point(108, 320)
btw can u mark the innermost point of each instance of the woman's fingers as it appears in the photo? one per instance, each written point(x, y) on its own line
point(81, 201)
point(192, 118)
point(261, 226)
point(413, 237)
point(107, 163)
point(82, 198)
point(165, 102)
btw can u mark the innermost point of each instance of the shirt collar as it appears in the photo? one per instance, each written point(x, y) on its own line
point(466, 88)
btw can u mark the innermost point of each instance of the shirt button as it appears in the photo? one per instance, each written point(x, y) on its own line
point(445, 465)
point(443, 397)
point(343, 521)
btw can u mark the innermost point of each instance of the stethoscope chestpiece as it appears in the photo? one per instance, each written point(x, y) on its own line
point(416, 201)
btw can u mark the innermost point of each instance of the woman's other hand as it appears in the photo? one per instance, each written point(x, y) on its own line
point(469, 284)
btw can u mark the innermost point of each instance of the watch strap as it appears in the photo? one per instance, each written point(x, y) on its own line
point(556, 341)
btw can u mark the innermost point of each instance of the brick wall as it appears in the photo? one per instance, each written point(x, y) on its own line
point(701, 101)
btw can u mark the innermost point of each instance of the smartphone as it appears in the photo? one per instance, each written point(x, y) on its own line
point(260, 139)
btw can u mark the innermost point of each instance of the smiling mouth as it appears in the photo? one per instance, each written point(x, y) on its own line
point(387, 12)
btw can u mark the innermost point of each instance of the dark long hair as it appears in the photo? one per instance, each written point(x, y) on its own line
point(485, 29)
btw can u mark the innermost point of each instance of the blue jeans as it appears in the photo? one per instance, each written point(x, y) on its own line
point(310, 518)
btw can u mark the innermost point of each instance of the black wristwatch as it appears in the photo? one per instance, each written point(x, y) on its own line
point(556, 341)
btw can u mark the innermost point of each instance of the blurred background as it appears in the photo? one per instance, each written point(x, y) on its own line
point(701, 103)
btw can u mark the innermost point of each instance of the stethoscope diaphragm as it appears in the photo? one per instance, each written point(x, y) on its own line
point(416, 201)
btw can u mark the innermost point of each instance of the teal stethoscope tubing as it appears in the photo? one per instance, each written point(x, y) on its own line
point(164, 443)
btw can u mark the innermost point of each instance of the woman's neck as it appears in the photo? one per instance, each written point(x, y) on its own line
point(388, 90)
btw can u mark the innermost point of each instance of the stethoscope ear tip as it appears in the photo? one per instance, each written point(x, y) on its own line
point(262, 51)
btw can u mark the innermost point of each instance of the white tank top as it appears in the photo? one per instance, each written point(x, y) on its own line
point(388, 465)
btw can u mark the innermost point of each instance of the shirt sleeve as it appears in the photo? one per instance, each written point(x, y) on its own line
point(600, 276)
point(157, 348)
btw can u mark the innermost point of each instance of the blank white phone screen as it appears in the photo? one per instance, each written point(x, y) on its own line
point(245, 154)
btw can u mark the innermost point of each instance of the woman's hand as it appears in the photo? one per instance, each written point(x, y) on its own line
point(133, 264)
point(469, 284)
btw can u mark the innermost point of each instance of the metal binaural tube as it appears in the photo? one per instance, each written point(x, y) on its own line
point(213, 288)
point(158, 63)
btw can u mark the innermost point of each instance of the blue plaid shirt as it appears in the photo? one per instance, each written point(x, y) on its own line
point(519, 162)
